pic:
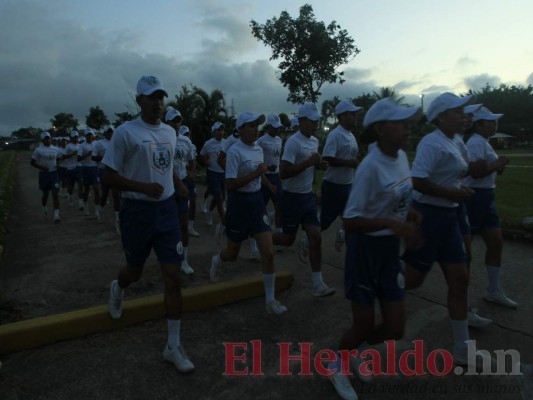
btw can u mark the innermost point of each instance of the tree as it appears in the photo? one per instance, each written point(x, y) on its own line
point(96, 118)
point(26, 133)
point(284, 120)
point(328, 111)
point(62, 123)
point(310, 52)
point(123, 117)
point(385, 92)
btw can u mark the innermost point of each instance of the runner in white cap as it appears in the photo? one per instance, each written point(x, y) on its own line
point(183, 155)
point(377, 217)
point(482, 213)
point(438, 171)
point(214, 173)
point(246, 209)
point(298, 204)
point(340, 152)
point(44, 158)
point(73, 173)
point(185, 133)
point(139, 163)
point(89, 173)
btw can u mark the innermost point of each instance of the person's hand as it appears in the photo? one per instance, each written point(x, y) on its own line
point(323, 165)
point(272, 168)
point(154, 190)
point(183, 192)
point(477, 168)
point(315, 159)
point(261, 169)
point(44, 169)
point(273, 189)
point(460, 195)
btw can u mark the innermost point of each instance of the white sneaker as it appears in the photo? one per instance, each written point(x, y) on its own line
point(339, 240)
point(214, 271)
point(204, 207)
point(322, 290)
point(219, 231)
point(475, 321)
point(98, 214)
point(193, 232)
point(303, 251)
point(115, 303)
point(81, 205)
point(342, 385)
point(186, 268)
point(178, 357)
point(209, 218)
point(500, 298)
point(275, 307)
point(57, 220)
point(356, 365)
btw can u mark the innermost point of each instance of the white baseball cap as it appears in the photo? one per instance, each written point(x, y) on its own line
point(184, 130)
point(388, 110)
point(107, 128)
point(346, 106)
point(309, 111)
point(273, 121)
point(216, 125)
point(45, 134)
point(172, 113)
point(294, 122)
point(148, 85)
point(446, 101)
point(472, 108)
point(74, 134)
point(485, 114)
point(89, 131)
point(246, 117)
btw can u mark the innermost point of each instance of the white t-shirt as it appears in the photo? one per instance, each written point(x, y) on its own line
point(100, 147)
point(382, 188)
point(480, 148)
point(230, 141)
point(212, 148)
point(71, 162)
point(271, 150)
point(83, 149)
point(46, 156)
point(340, 143)
point(62, 151)
point(299, 148)
point(143, 153)
point(182, 155)
point(241, 160)
point(439, 159)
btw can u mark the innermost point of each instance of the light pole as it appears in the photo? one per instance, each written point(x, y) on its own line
point(422, 102)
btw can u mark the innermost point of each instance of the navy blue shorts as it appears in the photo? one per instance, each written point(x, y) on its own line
point(482, 211)
point(145, 225)
point(216, 182)
point(61, 172)
point(74, 174)
point(462, 217)
point(245, 216)
point(333, 201)
point(442, 235)
point(90, 175)
point(296, 209)
point(372, 269)
point(191, 187)
point(48, 181)
point(275, 180)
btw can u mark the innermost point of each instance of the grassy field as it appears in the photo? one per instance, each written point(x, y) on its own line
point(514, 188)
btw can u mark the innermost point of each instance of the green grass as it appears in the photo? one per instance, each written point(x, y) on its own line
point(7, 165)
point(514, 188)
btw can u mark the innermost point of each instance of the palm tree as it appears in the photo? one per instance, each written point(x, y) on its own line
point(388, 92)
point(328, 111)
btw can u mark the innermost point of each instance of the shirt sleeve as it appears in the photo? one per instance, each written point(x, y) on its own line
point(289, 152)
point(425, 161)
point(362, 192)
point(330, 148)
point(476, 150)
point(232, 165)
point(116, 152)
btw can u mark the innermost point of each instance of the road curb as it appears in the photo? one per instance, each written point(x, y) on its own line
point(36, 332)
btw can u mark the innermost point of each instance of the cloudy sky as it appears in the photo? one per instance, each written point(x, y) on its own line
point(69, 55)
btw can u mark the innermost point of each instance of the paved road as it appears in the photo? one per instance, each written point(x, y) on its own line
point(55, 268)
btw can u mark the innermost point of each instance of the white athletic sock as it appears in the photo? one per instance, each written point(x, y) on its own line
point(117, 290)
point(269, 280)
point(56, 212)
point(460, 333)
point(116, 216)
point(493, 273)
point(317, 278)
point(173, 333)
point(253, 245)
point(191, 223)
point(185, 253)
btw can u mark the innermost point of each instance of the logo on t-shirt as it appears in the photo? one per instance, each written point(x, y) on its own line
point(161, 157)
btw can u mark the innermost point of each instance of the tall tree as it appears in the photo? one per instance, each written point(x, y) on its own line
point(96, 118)
point(385, 92)
point(62, 123)
point(123, 117)
point(328, 111)
point(26, 133)
point(310, 52)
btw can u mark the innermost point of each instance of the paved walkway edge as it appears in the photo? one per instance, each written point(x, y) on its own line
point(36, 332)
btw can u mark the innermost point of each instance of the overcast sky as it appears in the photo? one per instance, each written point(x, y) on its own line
point(69, 55)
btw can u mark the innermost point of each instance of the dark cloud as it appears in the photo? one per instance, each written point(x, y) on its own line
point(478, 82)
